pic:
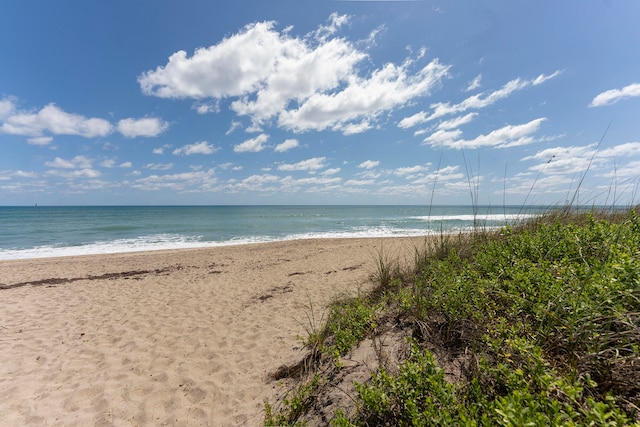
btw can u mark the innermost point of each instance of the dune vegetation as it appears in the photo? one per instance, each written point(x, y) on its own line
point(534, 324)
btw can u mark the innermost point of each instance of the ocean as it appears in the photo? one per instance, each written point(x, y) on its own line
point(40, 232)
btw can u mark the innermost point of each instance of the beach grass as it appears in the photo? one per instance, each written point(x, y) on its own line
point(537, 323)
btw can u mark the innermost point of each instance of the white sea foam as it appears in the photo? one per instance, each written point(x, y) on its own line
point(478, 217)
point(115, 229)
point(175, 241)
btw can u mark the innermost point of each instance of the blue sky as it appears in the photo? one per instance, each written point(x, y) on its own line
point(327, 102)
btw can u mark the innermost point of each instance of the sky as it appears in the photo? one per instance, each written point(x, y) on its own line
point(158, 102)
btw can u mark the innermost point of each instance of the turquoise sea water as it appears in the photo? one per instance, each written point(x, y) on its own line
point(37, 232)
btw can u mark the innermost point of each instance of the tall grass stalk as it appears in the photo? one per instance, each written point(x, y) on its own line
point(540, 320)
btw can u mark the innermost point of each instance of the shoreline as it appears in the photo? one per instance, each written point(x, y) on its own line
point(168, 336)
point(213, 245)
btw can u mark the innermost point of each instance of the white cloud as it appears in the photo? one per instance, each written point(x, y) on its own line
point(207, 107)
point(23, 174)
point(148, 126)
point(185, 181)
point(445, 174)
point(331, 171)
point(312, 164)
point(542, 78)
point(76, 173)
point(76, 162)
point(160, 150)
point(360, 182)
point(111, 163)
point(477, 101)
point(253, 145)
point(505, 137)
point(369, 164)
point(622, 150)
point(108, 163)
point(312, 82)
point(77, 167)
point(261, 179)
point(286, 145)
point(563, 160)
point(410, 170)
point(202, 147)
point(234, 67)
point(234, 125)
point(317, 181)
point(7, 107)
point(363, 99)
point(413, 120)
point(475, 83)
point(158, 166)
point(578, 159)
point(40, 140)
point(614, 95)
point(456, 122)
point(51, 119)
point(629, 170)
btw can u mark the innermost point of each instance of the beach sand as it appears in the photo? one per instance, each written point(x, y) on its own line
point(185, 337)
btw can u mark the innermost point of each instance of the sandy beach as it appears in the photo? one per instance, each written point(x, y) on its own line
point(184, 337)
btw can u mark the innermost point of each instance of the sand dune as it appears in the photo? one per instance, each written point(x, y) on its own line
point(166, 338)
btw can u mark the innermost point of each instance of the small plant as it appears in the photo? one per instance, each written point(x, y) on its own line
point(349, 322)
point(417, 395)
point(547, 313)
point(294, 404)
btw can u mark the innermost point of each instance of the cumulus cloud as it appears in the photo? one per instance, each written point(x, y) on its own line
point(77, 167)
point(410, 170)
point(202, 147)
point(108, 163)
point(313, 82)
point(563, 160)
point(252, 145)
point(76, 162)
point(185, 181)
point(207, 107)
point(160, 150)
point(7, 107)
point(286, 145)
point(331, 171)
point(148, 126)
point(51, 119)
point(364, 99)
point(369, 164)
point(507, 136)
point(446, 174)
point(475, 102)
point(614, 95)
point(577, 159)
point(312, 164)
